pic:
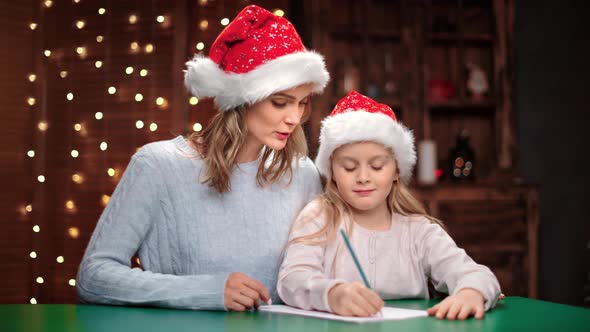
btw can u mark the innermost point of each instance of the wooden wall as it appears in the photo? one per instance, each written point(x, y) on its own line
point(16, 61)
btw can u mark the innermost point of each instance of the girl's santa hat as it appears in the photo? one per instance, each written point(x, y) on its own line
point(256, 55)
point(357, 118)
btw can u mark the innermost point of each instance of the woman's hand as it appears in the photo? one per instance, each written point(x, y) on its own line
point(354, 299)
point(465, 303)
point(242, 292)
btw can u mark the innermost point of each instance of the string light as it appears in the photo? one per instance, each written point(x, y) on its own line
point(103, 146)
point(98, 115)
point(98, 64)
point(105, 199)
point(31, 153)
point(42, 126)
point(197, 127)
point(80, 24)
point(77, 178)
point(73, 232)
point(32, 26)
point(101, 11)
point(153, 126)
point(99, 38)
point(143, 72)
point(32, 78)
point(74, 153)
point(193, 100)
point(72, 282)
point(70, 205)
point(149, 48)
point(77, 1)
point(138, 97)
point(77, 127)
point(164, 21)
point(203, 25)
point(129, 70)
point(132, 19)
point(31, 101)
point(60, 259)
point(29, 208)
point(224, 21)
point(33, 300)
point(33, 254)
point(81, 50)
point(161, 102)
point(202, 2)
point(279, 12)
point(47, 53)
point(48, 3)
point(111, 172)
point(134, 46)
point(41, 178)
point(39, 280)
point(200, 46)
point(63, 74)
point(112, 90)
point(36, 229)
point(138, 124)
point(70, 96)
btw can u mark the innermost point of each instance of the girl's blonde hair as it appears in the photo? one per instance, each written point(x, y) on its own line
point(400, 200)
point(219, 144)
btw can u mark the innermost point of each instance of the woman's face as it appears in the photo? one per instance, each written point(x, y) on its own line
point(272, 120)
point(364, 173)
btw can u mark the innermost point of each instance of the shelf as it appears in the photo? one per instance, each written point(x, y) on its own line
point(496, 249)
point(454, 38)
point(455, 104)
point(375, 34)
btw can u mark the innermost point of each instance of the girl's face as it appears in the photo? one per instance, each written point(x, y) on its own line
point(364, 173)
point(272, 120)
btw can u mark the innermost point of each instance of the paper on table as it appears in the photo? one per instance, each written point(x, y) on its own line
point(389, 313)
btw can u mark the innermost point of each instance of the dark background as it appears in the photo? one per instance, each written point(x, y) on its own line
point(552, 71)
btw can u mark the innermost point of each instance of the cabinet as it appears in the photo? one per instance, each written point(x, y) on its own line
point(445, 67)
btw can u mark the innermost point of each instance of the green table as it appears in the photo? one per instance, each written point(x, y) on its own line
point(512, 314)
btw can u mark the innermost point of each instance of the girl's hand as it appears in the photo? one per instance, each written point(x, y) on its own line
point(465, 303)
point(242, 292)
point(354, 299)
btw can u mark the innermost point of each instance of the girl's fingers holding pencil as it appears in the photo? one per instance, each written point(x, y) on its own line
point(374, 299)
point(357, 308)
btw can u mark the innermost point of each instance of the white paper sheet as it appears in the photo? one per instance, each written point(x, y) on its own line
point(387, 313)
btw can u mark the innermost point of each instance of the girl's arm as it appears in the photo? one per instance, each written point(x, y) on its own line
point(105, 275)
point(451, 269)
point(302, 282)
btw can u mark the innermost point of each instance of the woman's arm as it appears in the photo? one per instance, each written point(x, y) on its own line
point(105, 275)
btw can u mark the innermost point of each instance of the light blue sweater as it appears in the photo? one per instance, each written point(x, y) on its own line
point(188, 236)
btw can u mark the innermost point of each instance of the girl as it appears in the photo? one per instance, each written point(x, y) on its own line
point(208, 213)
point(367, 158)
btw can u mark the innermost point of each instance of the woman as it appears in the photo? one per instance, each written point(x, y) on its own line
point(208, 215)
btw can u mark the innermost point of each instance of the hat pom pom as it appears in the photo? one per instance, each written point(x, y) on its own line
point(203, 77)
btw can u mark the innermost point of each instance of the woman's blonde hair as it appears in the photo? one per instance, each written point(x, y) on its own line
point(400, 200)
point(219, 144)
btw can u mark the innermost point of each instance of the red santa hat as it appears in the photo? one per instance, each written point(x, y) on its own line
point(256, 55)
point(357, 118)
